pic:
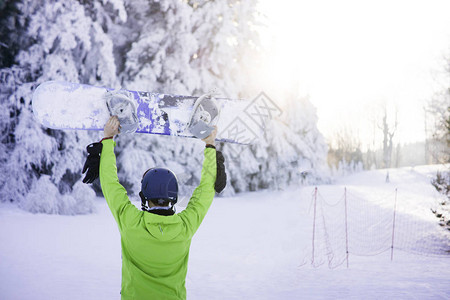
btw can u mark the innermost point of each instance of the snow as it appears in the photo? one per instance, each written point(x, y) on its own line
point(255, 245)
point(167, 46)
point(75, 106)
point(251, 246)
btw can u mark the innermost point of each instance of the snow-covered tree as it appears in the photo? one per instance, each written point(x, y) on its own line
point(345, 155)
point(195, 46)
point(60, 42)
point(438, 146)
point(291, 151)
point(183, 48)
point(171, 46)
point(438, 117)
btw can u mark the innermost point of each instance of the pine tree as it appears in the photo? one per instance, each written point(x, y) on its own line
point(63, 44)
point(291, 151)
point(183, 48)
point(170, 46)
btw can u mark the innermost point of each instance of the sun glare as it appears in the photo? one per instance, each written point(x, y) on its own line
point(350, 56)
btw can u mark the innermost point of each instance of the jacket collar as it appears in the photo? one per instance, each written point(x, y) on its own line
point(162, 211)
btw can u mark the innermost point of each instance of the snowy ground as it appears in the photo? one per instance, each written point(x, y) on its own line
point(254, 246)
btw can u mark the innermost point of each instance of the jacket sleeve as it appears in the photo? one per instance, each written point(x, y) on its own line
point(203, 195)
point(115, 194)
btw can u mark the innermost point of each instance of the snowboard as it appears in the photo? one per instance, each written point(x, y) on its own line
point(65, 105)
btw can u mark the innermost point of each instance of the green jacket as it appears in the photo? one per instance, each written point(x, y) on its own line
point(155, 249)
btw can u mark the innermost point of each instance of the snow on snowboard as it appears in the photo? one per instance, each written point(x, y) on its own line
point(65, 105)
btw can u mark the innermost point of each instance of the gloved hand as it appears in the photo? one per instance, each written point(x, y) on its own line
point(221, 177)
point(92, 164)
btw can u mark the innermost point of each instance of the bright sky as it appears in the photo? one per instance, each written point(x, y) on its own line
point(350, 56)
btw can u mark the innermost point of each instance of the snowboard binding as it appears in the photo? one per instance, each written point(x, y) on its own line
point(120, 103)
point(204, 117)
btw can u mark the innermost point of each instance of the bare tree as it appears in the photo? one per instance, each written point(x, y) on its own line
point(388, 130)
point(345, 150)
point(438, 128)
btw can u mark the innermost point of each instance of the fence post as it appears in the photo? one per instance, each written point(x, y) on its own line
point(314, 225)
point(393, 226)
point(346, 228)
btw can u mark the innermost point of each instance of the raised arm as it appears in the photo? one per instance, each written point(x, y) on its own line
point(203, 195)
point(114, 193)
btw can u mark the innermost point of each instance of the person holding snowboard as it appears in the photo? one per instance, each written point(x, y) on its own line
point(155, 241)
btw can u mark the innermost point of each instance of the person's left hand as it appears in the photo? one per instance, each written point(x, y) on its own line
point(92, 165)
point(112, 127)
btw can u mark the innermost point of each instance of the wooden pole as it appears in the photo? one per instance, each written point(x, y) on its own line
point(346, 228)
point(314, 224)
point(393, 226)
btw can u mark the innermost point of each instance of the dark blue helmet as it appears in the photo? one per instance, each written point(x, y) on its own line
point(160, 185)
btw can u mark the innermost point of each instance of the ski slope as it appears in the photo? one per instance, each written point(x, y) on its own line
point(252, 246)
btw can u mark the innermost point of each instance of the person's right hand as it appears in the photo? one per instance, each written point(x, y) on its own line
point(211, 139)
point(112, 127)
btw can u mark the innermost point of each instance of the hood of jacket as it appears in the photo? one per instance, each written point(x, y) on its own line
point(162, 227)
